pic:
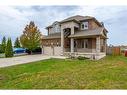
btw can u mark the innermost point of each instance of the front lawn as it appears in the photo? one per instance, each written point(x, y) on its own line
point(107, 73)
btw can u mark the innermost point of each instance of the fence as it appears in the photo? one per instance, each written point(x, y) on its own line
point(112, 50)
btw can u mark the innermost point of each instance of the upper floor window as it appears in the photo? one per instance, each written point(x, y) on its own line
point(56, 27)
point(84, 25)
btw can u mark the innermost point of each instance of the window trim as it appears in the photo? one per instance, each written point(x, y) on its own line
point(84, 23)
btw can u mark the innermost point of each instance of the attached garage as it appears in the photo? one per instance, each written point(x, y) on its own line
point(48, 50)
point(57, 50)
point(52, 44)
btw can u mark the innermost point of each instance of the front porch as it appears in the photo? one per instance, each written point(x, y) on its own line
point(93, 48)
point(88, 43)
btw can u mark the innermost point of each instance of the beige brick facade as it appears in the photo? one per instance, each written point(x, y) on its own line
point(76, 37)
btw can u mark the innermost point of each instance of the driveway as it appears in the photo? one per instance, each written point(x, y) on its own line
point(4, 62)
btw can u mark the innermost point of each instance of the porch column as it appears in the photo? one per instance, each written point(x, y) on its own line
point(105, 45)
point(98, 44)
point(62, 41)
point(42, 50)
point(72, 45)
point(72, 40)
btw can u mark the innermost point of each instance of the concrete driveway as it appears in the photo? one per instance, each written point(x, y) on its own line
point(4, 62)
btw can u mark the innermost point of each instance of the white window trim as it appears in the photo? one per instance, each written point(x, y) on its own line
point(84, 23)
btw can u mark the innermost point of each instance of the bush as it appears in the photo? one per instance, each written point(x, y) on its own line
point(0, 49)
point(3, 45)
point(81, 58)
point(38, 50)
point(9, 49)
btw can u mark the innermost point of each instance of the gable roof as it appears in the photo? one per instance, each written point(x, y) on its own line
point(77, 18)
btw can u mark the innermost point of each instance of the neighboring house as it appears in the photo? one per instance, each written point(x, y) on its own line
point(76, 35)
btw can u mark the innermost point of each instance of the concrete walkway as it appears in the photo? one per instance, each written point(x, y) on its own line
point(4, 62)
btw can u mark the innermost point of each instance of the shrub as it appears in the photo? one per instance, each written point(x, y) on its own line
point(3, 45)
point(9, 49)
point(81, 58)
point(0, 49)
point(38, 50)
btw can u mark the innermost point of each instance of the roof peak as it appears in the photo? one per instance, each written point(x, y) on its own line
point(78, 18)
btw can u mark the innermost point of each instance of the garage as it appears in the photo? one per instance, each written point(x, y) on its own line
point(48, 50)
point(57, 50)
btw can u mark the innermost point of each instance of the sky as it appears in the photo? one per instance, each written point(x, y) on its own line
point(13, 19)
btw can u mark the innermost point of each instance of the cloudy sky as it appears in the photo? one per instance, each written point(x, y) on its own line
point(14, 18)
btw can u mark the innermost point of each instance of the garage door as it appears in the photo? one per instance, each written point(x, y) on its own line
point(48, 50)
point(56, 50)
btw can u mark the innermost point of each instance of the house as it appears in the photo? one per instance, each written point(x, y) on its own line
point(76, 35)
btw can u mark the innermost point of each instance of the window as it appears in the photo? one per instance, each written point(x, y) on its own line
point(84, 25)
point(55, 27)
point(82, 44)
point(75, 43)
point(86, 43)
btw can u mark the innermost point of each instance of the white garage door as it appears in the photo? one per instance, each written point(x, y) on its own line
point(48, 50)
point(56, 50)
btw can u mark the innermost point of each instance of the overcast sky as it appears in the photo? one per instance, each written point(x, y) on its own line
point(14, 18)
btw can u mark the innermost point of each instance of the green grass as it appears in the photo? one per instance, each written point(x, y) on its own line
point(107, 73)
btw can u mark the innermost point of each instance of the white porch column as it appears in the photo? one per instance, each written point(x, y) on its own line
point(105, 45)
point(42, 50)
point(98, 44)
point(62, 41)
point(72, 45)
point(72, 40)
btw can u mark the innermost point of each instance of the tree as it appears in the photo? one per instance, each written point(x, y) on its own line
point(3, 45)
point(17, 43)
point(9, 49)
point(30, 38)
point(0, 49)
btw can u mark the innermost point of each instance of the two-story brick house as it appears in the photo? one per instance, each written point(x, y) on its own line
point(76, 35)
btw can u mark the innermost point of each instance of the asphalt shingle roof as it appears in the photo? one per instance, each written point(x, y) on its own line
point(77, 18)
point(52, 36)
point(85, 33)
